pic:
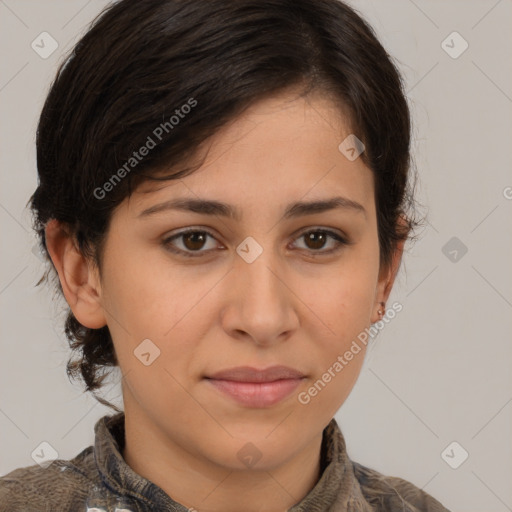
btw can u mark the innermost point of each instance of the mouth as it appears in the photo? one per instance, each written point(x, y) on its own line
point(256, 388)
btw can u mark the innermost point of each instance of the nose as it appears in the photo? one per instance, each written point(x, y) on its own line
point(262, 306)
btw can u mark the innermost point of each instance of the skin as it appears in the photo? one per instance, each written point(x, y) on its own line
point(217, 311)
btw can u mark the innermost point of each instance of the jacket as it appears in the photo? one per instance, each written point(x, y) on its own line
point(98, 479)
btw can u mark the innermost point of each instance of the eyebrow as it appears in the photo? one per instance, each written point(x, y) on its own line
point(211, 207)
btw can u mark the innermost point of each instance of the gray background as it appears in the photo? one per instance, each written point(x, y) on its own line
point(438, 373)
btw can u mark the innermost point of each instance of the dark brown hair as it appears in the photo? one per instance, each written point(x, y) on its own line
point(143, 61)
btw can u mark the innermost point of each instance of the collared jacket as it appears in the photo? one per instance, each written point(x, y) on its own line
point(98, 479)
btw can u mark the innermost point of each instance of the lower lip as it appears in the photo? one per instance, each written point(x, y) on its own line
point(257, 394)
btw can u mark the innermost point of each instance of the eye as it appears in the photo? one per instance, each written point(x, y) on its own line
point(316, 239)
point(193, 240)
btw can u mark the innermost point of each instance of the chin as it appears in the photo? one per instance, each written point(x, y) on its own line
point(255, 450)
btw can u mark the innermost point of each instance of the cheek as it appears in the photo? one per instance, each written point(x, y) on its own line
point(343, 300)
point(139, 295)
point(347, 314)
point(144, 301)
point(344, 305)
point(339, 353)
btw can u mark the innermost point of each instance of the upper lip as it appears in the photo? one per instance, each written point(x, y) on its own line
point(249, 374)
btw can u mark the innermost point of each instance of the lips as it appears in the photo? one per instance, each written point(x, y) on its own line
point(249, 374)
point(253, 387)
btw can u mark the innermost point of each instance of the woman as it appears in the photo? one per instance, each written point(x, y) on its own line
point(224, 196)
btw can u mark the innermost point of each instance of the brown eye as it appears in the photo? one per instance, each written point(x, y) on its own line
point(192, 243)
point(194, 240)
point(316, 239)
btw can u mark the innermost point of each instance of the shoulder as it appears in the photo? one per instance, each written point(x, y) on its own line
point(56, 487)
point(390, 493)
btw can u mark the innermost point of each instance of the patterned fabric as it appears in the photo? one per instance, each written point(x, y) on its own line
point(98, 479)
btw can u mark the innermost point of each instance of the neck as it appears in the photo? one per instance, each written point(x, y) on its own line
point(199, 483)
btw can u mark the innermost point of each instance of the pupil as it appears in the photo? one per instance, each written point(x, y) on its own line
point(195, 237)
point(317, 237)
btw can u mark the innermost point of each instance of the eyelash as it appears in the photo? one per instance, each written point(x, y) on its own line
point(341, 241)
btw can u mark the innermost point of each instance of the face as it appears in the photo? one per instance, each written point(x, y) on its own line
point(272, 285)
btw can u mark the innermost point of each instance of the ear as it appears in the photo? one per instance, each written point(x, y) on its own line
point(387, 277)
point(78, 276)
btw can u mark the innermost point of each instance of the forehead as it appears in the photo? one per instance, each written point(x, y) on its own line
point(280, 149)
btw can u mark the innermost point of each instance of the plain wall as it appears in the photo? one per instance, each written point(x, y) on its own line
point(438, 373)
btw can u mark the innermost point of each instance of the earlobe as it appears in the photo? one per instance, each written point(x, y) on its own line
point(78, 277)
